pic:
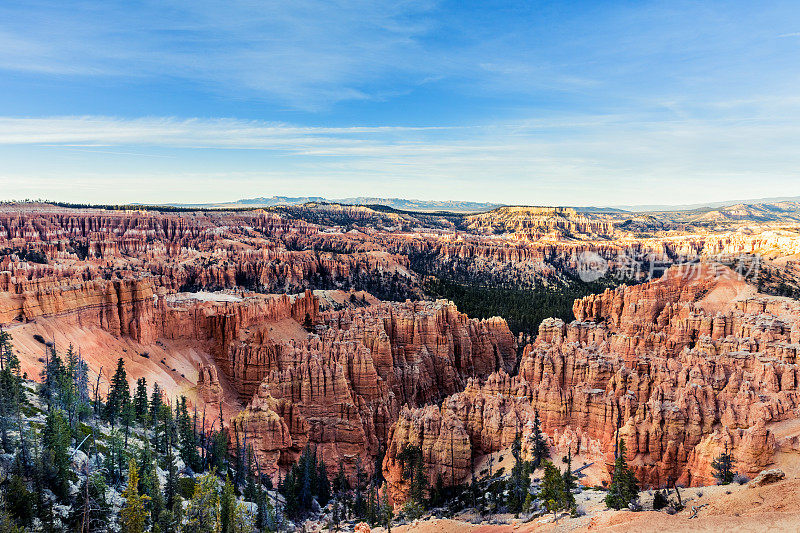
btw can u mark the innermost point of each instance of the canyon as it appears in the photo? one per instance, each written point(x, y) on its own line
point(309, 325)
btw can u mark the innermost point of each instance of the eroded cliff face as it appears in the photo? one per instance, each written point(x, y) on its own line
point(329, 247)
point(342, 389)
point(122, 307)
point(678, 367)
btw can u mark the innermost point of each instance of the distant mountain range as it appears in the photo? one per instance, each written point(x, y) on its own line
point(707, 205)
point(395, 203)
point(480, 207)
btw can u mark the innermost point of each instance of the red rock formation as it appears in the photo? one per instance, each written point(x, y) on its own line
point(680, 374)
point(681, 370)
point(343, 390)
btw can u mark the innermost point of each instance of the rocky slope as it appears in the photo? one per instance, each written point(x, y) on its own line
point(342, 389)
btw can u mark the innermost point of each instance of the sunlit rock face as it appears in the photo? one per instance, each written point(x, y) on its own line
point(342, 390)
point(678, 368)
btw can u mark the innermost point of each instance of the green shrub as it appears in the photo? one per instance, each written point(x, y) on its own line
point(186, 487)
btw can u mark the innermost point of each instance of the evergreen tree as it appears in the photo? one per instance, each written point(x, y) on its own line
point(410, 458)
point(308, 324)
point(227, 507)
point(340, 483)
point(155, 403)
point(81, 379)
point(267, 517)
point(569, 486)
point(323, 484)
point(290, 493)
point(203, 513)
point(19, 501)
point(68, 387)
point(56, 439)
point(119, 394)
point(140, 401)
point(218, 452)
point(539, 441)
point(336, 516)
point(171, 486)
point(419, 482)
point(519, 482)
point(372, 506)
point(134, 514)
point(387, 512)
point(243, 520)
point(659, 500)
point(11, 391)
point(116, 457)
point(623, 489)
point(149, 483)
point(723, 467)
point(188, 437)
point(128, 416)
point(52, 376)
point(552, 489)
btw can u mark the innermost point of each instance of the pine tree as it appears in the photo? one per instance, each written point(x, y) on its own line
point(19, 501)
point(292, 504)
point(540, 448)
point(81, 378)
point(68, 387)
point(51, 378)
point(227, 507)
point(171, 486)
point(149, 483)
point(323, 484)
point(128, 416)
point(155, 403)
point(723, 467)
point(134, 514)
point(218, 454)
point(413, 467)
point(202, 513)
point(372, 505)
point(340, 483)
point(308, 324)
point(520, 478)
point(11, 392)
point(623, 489)
point(119, 394)
point(56, 439)
point(659, 500)
point(552, 490)
point(140, 401)
point(569, 486)
point(188, 437)
point(336, 516)
point(387, 513)
point(116, 457)
point(243, 520)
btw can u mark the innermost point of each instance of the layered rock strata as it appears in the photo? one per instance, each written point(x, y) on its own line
point(671, 367)
point(342, 390)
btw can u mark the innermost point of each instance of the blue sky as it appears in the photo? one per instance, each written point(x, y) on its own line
point(578, 103)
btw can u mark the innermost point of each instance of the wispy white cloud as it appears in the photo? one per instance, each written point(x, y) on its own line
point(305, 52)
point(584, 159)
point(190, 133)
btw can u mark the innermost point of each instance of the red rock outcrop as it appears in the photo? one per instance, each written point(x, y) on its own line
point(342, 390)
point(677, 370)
